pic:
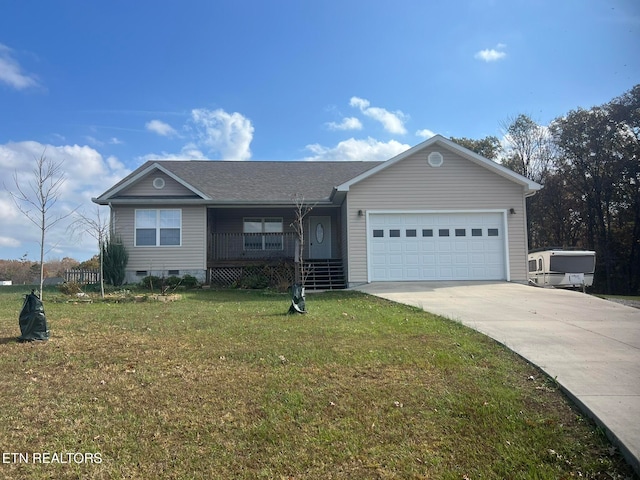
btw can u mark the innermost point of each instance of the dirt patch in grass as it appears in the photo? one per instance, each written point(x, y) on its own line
point(224, 384)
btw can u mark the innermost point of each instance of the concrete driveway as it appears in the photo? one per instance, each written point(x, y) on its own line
point(589, 345)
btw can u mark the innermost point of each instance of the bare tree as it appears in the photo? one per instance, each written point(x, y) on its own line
point(97, 227)
point(301, 211)
point(37, 201)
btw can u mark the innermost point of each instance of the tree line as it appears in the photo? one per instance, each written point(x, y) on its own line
point(588, 162)
point(27, 272)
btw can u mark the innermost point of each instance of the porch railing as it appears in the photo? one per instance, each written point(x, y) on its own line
point(249, 246)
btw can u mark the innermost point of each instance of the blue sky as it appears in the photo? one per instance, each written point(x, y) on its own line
point(105, 86)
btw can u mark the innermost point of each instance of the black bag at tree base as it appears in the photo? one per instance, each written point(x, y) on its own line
point(297, 299)
point(33, 322)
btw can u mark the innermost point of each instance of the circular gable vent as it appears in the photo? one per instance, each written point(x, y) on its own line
point(158, 183)
point(435, 159)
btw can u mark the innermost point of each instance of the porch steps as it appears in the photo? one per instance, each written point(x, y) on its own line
point(325, 275)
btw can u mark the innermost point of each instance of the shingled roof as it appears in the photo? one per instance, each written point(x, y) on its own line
point(253, 182)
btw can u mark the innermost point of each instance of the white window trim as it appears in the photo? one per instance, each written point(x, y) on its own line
point(263, 234)
point(157, 227)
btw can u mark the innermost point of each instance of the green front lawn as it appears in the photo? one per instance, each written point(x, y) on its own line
point(224, 384)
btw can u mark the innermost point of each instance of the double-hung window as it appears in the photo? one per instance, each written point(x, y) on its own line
point(262, 233)
point(158, 227)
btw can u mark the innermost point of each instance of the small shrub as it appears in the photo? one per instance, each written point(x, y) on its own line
point(254, 281)
point(70, 288)
point(172, 281)
point(150, 282)
point(93, 287)
point(189, 281)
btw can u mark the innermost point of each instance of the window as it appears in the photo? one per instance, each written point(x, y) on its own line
point(263, 234)
point(411, 233)
point(394, 233)
point(572, 264)
point(461, 232)
point(476, 232)
point(378, 233)
point(532, 265)
point(427, 232)
point(443, 232)
point(435, 159)
point(158, 228)
point(492, 232)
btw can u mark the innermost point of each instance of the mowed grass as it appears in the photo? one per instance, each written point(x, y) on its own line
point(224, 384)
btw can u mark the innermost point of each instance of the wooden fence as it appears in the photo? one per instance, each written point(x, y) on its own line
point(82, 276)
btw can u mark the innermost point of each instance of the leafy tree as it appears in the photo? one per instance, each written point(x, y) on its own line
point(18, 271)
point(488, 147)
point(599, 159)
point(92, 264)
point(57, 267)
point(114, 259)
point(528, 147)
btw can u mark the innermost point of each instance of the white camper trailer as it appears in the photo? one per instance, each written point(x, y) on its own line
point(562, 268)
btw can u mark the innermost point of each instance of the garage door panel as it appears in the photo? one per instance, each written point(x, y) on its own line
point(411, 247)
point(460, 259)
point(445, 273)
point(462, 273)
point(437, 246)
point(445, 259)
point(378, 260)
point(394, 247)
point(461, 247)
point(395, 260)
point(377, 248)
point(428, 259)
point(395, 273)
point(443, 247)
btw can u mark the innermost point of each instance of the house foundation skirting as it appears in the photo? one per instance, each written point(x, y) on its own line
point(319, 275)
point(279, 276)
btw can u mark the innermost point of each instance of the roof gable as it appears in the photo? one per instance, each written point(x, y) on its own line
point(235, 182)
point(438, 140)
point(128, 184)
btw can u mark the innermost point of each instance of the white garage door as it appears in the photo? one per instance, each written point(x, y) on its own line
point(436, 246)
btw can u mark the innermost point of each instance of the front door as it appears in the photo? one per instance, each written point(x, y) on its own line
point(319, 237)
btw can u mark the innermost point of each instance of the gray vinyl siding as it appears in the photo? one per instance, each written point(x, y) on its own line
point(413, 185)
point(189, 257)
point(144, 187)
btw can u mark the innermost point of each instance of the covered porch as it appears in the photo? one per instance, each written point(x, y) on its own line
point(261, 241)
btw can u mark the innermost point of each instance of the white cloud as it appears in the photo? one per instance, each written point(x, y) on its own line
point(188, 152)
point(9, 242)
point(393, 122)
point(161, 128)
point(208, 134)
point(87, 174)
point(348, 123)
point(220, 133)
point(11, 72)
point(492, 54)
point(94, 141)
point(353, 149)
point(425, 133)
